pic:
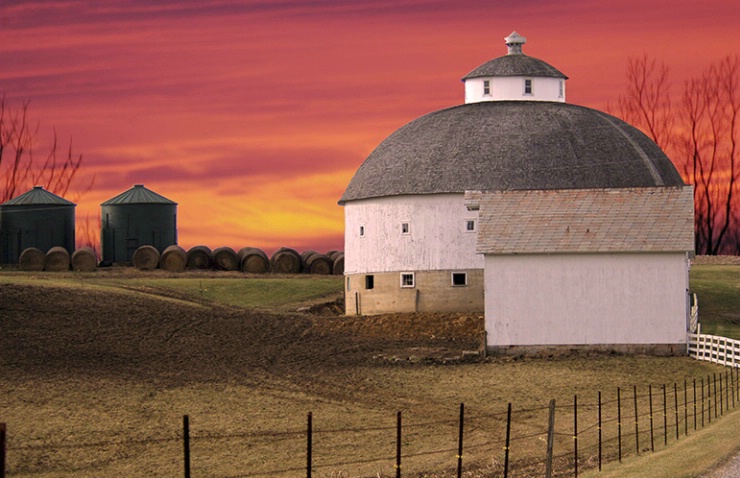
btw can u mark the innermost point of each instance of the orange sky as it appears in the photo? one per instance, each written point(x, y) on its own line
point(253, 115)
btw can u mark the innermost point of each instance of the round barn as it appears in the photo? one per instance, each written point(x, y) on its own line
point(413, 241)
point(37, 219)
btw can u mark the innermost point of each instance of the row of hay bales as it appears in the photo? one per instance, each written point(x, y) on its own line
point(249, 259)
point(57, 259)
point(175, 259)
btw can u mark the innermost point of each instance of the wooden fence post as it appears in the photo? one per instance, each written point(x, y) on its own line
point(550, 439)
point(508, 441)
point(665, 418)
point(675, 405)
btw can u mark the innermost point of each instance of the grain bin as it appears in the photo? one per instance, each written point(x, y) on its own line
point(135, 218)
point(36, 219)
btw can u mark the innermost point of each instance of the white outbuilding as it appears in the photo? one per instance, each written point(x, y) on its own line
point(414, 243)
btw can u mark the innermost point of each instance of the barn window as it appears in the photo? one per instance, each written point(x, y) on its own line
point(405, 228)
point(407, 279)
point(560, 89)
point(528, 86)
point(348, 287)
point(486, 87)
point(369, 282)
point(470, 225)
point(459, 279)
point(362, 231)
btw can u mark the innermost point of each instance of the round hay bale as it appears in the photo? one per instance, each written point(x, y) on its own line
point(304, 258)
point(84, 260)
point(199, 257)
point(253, 260)
point(146, 258)
point(173, 259)
point(31, 259)
point(319, 264)
point(57, 260)
point(285, 261)
point(225, 259)
point(338, 267)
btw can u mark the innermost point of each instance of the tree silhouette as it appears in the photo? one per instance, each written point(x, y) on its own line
point(20, 168)
point(700, 134)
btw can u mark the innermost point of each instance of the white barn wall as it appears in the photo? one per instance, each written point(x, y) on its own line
point(586, 299)
point(437, 239)
point(512, 89)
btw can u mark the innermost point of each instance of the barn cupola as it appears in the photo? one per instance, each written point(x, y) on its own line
point(514, 77)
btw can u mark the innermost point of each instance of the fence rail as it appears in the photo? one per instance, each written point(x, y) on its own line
point(714, 348)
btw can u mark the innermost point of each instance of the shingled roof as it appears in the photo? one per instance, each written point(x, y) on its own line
point(655, 219)
point(515, 65)
point(511, 145)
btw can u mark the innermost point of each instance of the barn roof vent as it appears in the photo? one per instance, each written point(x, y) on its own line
point(514, 42)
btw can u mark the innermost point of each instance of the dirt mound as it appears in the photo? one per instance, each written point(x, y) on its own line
point(84, 330)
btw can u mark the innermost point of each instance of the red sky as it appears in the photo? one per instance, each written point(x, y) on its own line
point(253, 115)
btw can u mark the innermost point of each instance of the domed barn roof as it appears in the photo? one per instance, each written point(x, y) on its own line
point(515, 65)
point(511, 145)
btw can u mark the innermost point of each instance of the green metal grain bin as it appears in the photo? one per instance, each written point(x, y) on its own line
point(137, 217)
point(38, 219)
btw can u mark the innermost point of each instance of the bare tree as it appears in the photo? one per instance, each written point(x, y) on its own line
point(647, 102)
point(20, 169)
point(700, 135)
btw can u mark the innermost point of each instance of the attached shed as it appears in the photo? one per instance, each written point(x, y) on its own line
point(137, 217)
point(39, 219)
point(594, 268)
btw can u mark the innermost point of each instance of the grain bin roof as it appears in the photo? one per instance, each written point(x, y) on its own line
point(511, 145)
point(38, 196)
point(138, 195)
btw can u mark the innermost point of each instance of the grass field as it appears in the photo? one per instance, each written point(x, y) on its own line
point(99, 370)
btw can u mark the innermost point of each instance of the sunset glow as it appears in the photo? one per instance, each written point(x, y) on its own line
point(254, 115)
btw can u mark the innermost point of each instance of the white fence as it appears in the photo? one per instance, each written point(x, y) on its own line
point(714, 348)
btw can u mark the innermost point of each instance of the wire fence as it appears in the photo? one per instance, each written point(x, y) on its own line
point(557, 439)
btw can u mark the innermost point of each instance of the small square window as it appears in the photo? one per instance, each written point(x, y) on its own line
point(362, 231)
point(407, 279)
point(459, 279)
point(369, 282)
point(486, 88)
point(470, 225)
point(404, 228)
point(528, 86)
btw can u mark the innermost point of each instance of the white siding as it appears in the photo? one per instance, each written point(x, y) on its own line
point(512, 88)
point(571, 299)
point(437, 237)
